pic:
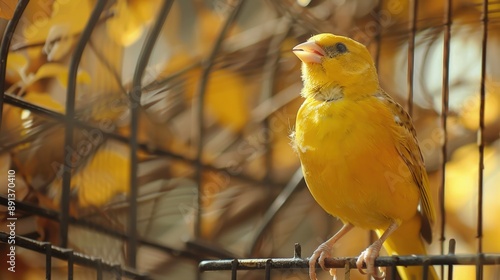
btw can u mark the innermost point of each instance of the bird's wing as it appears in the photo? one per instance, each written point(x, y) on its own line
point(409, 150)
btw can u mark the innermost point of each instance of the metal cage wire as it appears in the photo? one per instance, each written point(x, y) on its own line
point(131, 237)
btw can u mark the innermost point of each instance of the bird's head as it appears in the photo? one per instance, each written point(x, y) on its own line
point(335, 67)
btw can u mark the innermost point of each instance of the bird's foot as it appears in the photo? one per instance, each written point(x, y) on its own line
point(324, 251)
point(368, 256)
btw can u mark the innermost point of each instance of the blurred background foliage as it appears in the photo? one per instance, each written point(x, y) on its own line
point(217, 175)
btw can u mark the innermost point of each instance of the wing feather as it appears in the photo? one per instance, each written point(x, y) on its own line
point(409, 150)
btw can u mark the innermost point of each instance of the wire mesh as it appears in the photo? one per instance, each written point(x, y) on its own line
point(299, 263)
point(193, 106)
point(72, 258)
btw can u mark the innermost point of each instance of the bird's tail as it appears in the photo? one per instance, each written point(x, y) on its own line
point(406, 240)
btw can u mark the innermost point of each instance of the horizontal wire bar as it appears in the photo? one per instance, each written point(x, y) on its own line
point(77, 258)
point(287, 263)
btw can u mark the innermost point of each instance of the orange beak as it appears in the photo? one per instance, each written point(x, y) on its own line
point(309, 52)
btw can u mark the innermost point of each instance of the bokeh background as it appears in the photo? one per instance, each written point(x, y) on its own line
point(216, 176)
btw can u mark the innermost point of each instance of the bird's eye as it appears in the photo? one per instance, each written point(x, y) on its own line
point(341, 48)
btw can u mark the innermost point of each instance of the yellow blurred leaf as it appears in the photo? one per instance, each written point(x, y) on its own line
point(50, 70)
point(144, 9)
point(16, 61)
point(462, 174)
point(106, 175)
point(16, 66)
point(60, 72)
point(83, 78)
point(126, 26)
point(469, 113)
point(226, 98)
point(11, 121)
point(44, 100)
point(96, 183)
point(7, 8)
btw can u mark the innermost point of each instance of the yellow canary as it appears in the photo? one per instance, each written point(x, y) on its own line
point(359, 154)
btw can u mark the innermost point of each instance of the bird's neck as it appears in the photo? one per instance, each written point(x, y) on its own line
point(335, 91)
point(353, 83)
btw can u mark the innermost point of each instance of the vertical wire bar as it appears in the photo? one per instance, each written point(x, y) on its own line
point(4, 48)
point(371, 238)
point(70, 264)
point(234, 269)
point(479, 268)
point(394, 271)
point(48, 260)
point(297, 251)
point(207, 66)
point(269, 262)
point(99, 269)
point(425, 271)
point(444, 120)
point(411, 54)
point(70, 115)
point(451, 251)
point(135, 100)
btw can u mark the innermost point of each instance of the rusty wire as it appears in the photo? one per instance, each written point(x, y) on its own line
point(297, 262)
point(72, 258)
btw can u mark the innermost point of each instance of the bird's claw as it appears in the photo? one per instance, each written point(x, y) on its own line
point(319, 255)
point(368, 256)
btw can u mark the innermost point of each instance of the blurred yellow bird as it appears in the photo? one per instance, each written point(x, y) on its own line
point(359, 154)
